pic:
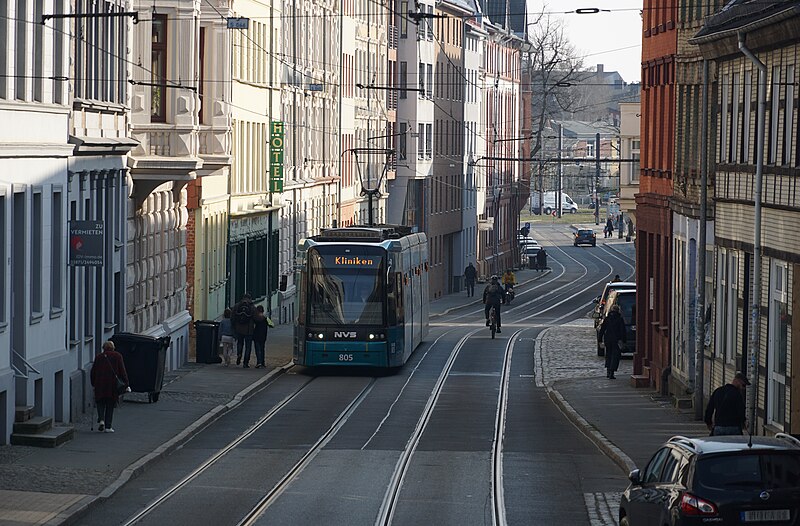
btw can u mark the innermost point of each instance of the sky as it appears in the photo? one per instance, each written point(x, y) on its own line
point(613, 38)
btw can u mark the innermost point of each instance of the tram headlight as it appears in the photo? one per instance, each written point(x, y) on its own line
point(371, 336)
point(320, 336)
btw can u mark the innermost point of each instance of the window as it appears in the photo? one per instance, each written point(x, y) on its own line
point(428, 140)
point(57, 256)
point(779, 327)
point(403, 79)
point(652, 473)
point(744, 157)
point(201, 80)
point(402, 142)
point(21, 35)
point(403, 19)
point(36, 253)
point(158, 69)
point(429, 89)
point(723, 147)
point(788, 117)
point(735, 119)
point(3, 269)
point(420, 141)
point(775, 93)
point(421, 75)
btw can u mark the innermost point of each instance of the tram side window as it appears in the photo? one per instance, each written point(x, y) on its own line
point(395, 300)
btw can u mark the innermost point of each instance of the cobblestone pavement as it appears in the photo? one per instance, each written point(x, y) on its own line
point(569, 351)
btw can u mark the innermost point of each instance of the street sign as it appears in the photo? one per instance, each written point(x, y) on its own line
point(86, 243)
point(238, 22)
point(315, 87)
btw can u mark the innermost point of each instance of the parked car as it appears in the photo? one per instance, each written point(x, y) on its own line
point(530, 250)
point(626, 299)
point(585, 236)
point(600, 301)
point(716, 480)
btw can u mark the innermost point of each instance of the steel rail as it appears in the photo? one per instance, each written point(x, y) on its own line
point(267, 500)
point(388, 506)
point(213, 459)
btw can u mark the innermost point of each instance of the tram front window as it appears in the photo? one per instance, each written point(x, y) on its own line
point(345, 285)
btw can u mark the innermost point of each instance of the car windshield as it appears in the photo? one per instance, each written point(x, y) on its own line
point(585, 232)
point(774, 470)
point(345, 285)
point(627, 307)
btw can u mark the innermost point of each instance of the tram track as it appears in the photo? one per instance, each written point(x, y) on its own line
point(393, 493)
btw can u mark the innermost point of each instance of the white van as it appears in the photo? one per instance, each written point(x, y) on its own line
point(568, 206)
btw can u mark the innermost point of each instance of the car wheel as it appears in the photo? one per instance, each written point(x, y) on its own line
point(573, 211)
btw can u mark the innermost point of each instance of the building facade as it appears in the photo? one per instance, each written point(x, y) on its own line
point(35, 360)
point(754, 319)
point(629, 149)
point(654, 227)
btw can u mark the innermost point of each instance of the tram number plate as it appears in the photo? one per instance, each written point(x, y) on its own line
point(765, 515)
point(345, 357)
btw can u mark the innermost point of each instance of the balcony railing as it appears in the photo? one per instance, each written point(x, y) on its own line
point(393, 36)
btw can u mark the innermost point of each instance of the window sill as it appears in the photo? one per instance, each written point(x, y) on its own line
point(88, 339)
point(36, 317)
point(3, 326)
point(74, 343)
point(56, 312)
point(109, 327)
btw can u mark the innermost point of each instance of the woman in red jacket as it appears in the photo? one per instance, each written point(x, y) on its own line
point(107, 367)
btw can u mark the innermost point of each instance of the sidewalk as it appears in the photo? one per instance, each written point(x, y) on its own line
point(55, 486)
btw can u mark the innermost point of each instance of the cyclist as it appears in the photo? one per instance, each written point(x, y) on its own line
point(493, 296)
point(509, 280)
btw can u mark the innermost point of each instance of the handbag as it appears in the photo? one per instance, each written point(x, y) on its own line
point(270, 323)
point(120, 387)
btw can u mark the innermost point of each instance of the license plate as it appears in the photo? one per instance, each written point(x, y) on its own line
point(765, 515)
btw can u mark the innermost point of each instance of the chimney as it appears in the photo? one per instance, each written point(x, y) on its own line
point(599, 68)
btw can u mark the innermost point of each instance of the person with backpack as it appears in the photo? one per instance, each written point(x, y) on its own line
point(470, 275)
point(243, 314)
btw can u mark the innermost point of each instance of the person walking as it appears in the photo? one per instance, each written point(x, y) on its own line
point(227, 336)
point(616, 279)
point(612, 331)
point(725, 412)
point(470, 275)
point(243, 313)
point(493, 296)
point(541, 260)
point(107, 369)
point(609, 230)
point(259, 336)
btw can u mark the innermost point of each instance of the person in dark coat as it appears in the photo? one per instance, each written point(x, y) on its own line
point(612, 331)
point(259, 337)
point(470, 275)
point(493, 296)
point(725, 412)
point(107, 367)
point(541, 259)
point(243, 313)
point(609, 230)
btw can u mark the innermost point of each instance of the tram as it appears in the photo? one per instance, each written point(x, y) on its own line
point(363, 296)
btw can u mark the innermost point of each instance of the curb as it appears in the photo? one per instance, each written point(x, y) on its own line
point(73, 514)
point(619, 457)
point(478, 302)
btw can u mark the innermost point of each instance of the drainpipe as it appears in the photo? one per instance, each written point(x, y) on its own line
point(700, 273)
point(752, 365)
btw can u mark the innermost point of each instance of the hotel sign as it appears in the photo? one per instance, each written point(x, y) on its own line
point(86, 243)
point(276, 156)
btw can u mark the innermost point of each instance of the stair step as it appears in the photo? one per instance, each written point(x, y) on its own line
point(34, 425)
point(52, 437)
point(23, 413)
point(683, 402)
point(640, 380)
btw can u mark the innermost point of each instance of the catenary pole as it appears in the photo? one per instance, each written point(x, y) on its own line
point(700, 272)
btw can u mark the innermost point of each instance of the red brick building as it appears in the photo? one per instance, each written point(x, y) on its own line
point(654, 229)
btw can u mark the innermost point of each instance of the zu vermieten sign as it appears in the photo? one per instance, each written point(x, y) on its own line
point(86, 243)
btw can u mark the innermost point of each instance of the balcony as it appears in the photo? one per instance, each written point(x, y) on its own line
point(393, 37)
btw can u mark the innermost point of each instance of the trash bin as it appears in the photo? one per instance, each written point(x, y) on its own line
point(206, 341)
point(144, 357)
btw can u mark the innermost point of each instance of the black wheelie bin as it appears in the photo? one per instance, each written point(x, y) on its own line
point(145, 358)
point(206, 341)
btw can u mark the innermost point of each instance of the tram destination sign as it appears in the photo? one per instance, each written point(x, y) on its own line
point(349, 261)
point(86, 243)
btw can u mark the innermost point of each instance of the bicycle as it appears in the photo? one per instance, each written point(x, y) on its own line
point(493, 321)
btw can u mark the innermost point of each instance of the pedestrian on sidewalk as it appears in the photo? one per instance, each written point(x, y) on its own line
point(616, 279)
point(470, 275)
point(227, 337)
point(541, 260)
point(243, 313)
point(725, 412)
point(612, 331)
point(609, 230)
point(108, 370)
point(259, 336)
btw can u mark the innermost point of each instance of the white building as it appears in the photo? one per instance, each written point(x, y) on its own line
point(98, 188)
point(165, 123)
point(35, 362)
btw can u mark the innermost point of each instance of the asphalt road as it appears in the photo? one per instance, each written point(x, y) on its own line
point(463, 434)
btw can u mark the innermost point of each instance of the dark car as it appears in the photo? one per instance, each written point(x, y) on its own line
point(600, 301)
point(626, 299)
point(716, 480)
point(585, 236)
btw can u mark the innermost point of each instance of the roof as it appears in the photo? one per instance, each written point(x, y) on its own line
point(737, 14)
point(727, 444)
point(621, 284)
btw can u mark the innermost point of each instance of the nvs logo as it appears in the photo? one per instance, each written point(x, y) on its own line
point(338, 334)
